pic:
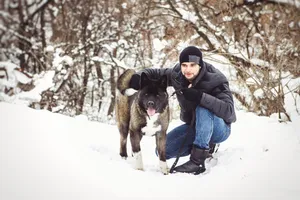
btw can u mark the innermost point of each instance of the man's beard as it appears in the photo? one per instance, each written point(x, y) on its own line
point(190, 78)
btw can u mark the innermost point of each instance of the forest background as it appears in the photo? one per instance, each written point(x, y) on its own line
point(84, 45)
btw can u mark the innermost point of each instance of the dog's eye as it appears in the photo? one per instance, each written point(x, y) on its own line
point(157, 95)
point(146, 94)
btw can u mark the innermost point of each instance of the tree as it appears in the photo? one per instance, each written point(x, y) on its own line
point(89, 43)
point(249, 36)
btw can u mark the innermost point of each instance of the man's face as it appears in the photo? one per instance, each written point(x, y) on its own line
point(190, 70)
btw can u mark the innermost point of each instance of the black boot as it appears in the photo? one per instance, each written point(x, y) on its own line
point(196, 164)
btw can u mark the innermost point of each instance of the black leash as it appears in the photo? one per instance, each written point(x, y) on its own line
point(190, 128)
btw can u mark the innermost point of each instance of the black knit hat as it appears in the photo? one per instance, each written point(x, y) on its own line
point(191, 54)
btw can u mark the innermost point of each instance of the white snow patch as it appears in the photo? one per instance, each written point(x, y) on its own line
point(159, 44)
point(50, 156)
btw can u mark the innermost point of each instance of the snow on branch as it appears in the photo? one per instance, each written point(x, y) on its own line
point(40, 7)
point(15, 34)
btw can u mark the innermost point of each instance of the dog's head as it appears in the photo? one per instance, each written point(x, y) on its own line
point(153, 96)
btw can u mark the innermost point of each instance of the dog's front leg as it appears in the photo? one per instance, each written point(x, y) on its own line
point(161, 148)
point(135, 139)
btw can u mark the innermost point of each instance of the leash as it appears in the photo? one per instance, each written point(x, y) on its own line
point(189, 128)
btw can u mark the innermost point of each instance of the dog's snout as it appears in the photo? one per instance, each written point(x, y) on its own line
point(150, 103)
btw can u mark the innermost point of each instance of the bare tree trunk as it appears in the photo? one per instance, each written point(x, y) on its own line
point(21, 31)
point(100, 81)
point(113, 91)
point(112, 70)
point(43, 35)
point(87, 66)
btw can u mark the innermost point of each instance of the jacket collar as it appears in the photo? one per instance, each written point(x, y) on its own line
point(200, 75)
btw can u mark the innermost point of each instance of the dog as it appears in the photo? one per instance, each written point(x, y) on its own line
point(146, 112)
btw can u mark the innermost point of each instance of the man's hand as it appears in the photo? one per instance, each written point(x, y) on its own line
point(192, 94)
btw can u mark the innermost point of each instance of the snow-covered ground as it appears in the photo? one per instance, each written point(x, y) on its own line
point(50, 156)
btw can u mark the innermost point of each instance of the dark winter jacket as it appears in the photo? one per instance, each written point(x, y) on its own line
point(216, 97)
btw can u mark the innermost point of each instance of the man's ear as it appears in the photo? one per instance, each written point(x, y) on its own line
point(144, 80)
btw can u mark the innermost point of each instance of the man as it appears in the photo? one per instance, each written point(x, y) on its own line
point(206, 104)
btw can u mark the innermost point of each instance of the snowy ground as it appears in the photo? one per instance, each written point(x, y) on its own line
point(51, 156)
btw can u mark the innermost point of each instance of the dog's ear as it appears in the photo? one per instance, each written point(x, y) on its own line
point(164, 81)
point(144, 80)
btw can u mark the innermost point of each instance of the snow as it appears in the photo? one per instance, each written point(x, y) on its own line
point(227, 18)
point(120, 63)
point(292, 24)
point(124, 5)
point(290, 2)
point(50, 48)
point(59, 61)
point(259, 93)
point(186, 15)
point(21, 77)
point(10, 79)
point(9, 66)
point(3, 28)
point(41, 84)
point(97, 59)
point(159, 45)
point(45, 155)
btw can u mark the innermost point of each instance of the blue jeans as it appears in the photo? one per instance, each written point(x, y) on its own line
point(208, 129)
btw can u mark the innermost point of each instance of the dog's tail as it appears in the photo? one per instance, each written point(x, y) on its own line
point(123, 82)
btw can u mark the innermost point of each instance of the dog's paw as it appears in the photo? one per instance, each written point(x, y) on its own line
point(138, 160)
point(124, 157)
point(164, 167)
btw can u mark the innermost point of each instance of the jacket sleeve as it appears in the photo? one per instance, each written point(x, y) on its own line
point(158, 73)
point(221, 105)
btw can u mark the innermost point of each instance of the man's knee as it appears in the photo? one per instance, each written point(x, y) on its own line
point(203, 112)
